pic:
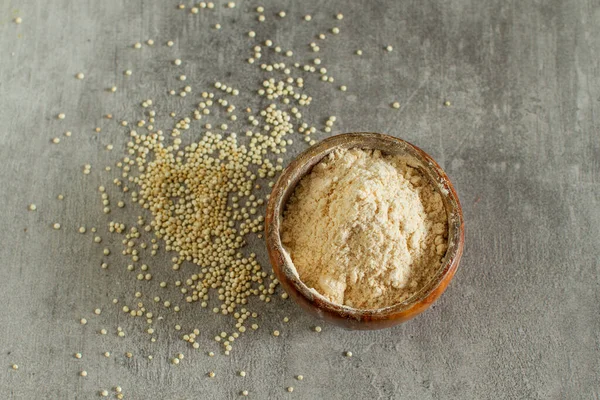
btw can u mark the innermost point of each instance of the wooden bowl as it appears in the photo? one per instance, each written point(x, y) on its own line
point(318, 305)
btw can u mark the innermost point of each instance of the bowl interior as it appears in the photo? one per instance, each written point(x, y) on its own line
point(303, 164)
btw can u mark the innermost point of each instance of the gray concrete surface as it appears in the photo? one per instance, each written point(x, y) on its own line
point(521, 141)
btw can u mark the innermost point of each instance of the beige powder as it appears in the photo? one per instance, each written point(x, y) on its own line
point(364, 229)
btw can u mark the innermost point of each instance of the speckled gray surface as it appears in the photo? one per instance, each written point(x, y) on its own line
point(520, 140)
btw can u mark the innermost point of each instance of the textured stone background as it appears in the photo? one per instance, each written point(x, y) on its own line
point(521, 142)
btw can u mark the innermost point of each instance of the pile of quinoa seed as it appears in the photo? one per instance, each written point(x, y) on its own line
point(203, 202)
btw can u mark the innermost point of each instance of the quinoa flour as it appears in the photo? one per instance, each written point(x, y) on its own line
point(365, 229)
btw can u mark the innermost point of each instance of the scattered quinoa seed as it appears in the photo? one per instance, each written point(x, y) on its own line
point(212, 230)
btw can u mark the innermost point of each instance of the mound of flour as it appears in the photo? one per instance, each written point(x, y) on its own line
point(365, 229)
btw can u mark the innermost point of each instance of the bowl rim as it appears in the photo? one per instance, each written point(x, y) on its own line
point(283, 265)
